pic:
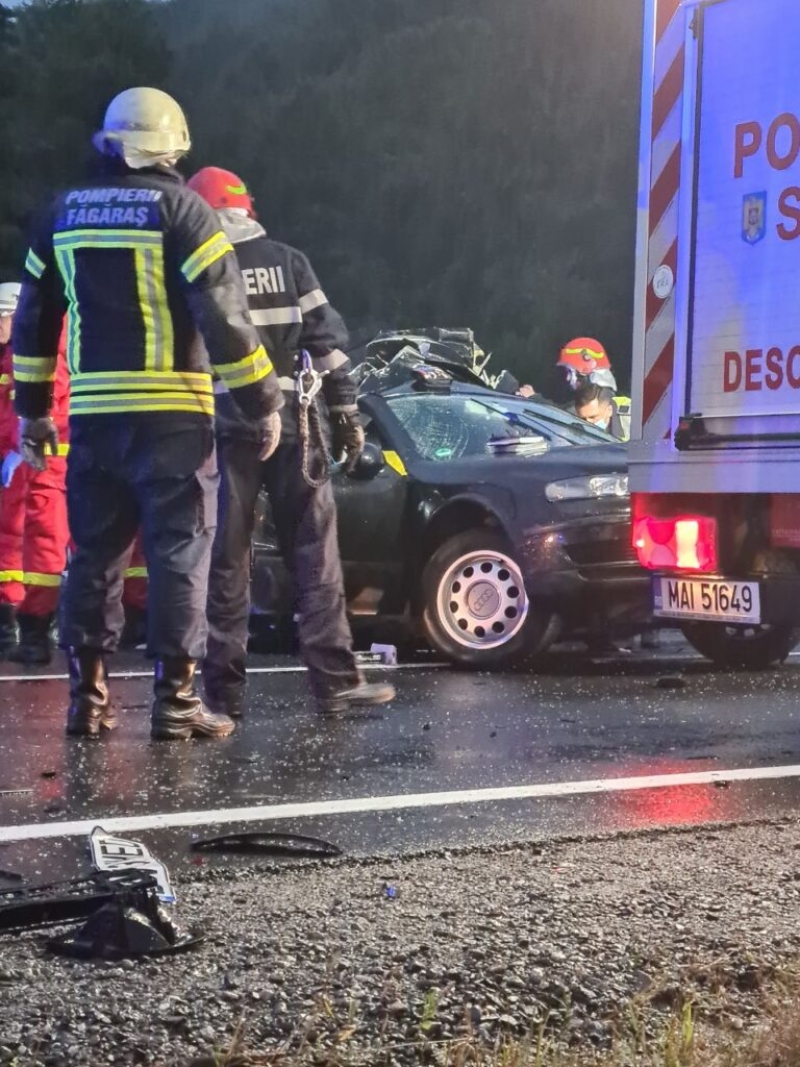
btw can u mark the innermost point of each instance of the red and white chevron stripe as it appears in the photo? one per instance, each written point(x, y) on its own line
point(670, 55)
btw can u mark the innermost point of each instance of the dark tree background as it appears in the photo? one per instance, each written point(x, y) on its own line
point(443, 162)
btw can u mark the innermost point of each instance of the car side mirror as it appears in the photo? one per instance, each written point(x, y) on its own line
point(370, 463)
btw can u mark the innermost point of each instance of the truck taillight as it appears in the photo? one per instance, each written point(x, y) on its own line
point(686, 543)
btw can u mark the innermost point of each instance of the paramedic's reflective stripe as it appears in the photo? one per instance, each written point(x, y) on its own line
point(213, 249)
point(276, 316)
point(46, 581)
point(332, 361)
point(63, 450)
point(246, 371)
point(34, 265)
point(5, 379)
point(148, 252)
point(135, 572)
point(153, 382)
point(314, 299)
point(34, 369)
point(11, 576)
point(130, 402)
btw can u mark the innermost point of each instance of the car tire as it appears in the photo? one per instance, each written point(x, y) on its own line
point(752, 648)
point(476, 610)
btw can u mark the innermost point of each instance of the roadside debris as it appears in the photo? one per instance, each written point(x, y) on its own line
point(53, 903)
point(378, 655)
point(132, 923)
point(292, 846)
point(112, 854)
point(670, 681)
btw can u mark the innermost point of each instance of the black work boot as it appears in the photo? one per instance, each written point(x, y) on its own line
point(90, 710)
point(178, 712)
point(364, 694)
point(225, 686)
point(35, 642)
point(8, 630)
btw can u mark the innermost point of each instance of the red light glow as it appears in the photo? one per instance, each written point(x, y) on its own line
point(684, 543)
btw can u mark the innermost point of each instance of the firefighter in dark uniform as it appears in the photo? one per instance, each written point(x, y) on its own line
point(292, 314)
point(139, 264)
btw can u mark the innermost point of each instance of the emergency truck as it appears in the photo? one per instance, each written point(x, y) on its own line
point(715, 464)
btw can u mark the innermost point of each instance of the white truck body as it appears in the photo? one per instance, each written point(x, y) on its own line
point(715, 453)
point(717, 330)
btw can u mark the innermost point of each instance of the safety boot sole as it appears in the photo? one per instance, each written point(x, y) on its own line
point(337, 705)
point(91, 727)
point(164, 731)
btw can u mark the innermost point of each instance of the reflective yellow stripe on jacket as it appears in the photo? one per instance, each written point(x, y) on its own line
point(135, 572)
point(34, 265)
point(213, 249)
point(45, 581)
point(147, 247)
point(34, 369)
point(107, 392)
point(246, 371)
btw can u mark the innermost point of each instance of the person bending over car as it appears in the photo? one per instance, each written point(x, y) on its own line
point(598, 406)
point(293, 316)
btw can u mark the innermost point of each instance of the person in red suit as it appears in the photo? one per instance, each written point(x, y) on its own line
point(34, 534)
point(11, 591)
point(134, 597)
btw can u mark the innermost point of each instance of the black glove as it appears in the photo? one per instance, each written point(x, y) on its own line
point(36, 438)
point(348, 437)
point(270, 435)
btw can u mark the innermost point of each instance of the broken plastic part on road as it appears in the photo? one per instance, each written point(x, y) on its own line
point(133, 923)
point(293, 846)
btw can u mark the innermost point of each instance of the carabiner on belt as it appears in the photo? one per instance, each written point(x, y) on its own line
point(308, 382)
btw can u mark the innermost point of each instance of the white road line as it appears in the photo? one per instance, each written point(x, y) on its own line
point(127, 675)
point(360, 805)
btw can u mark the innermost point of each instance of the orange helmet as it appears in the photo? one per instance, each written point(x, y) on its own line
point(221, 188)
point(584, 355)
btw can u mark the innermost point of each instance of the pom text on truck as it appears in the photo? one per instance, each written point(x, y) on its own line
point(715, 467)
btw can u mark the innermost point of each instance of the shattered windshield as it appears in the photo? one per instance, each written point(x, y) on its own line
point(453, 426)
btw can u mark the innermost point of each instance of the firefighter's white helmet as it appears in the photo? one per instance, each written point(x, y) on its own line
point(9, 297)
point(144, 125)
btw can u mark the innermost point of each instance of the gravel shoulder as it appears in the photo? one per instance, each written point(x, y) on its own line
point(486, 942)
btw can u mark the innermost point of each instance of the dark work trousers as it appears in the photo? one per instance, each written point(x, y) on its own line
point(158, 472)
point(305, 523)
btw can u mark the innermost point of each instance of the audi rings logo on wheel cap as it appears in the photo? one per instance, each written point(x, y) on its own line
point(483, 600)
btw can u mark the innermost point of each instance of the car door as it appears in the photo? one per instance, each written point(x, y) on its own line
point(371, 519)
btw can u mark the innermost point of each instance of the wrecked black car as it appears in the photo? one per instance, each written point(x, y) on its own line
point(488, 524)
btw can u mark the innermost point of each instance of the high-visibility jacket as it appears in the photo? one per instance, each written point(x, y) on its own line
point(139, 264)
point(291, 313)
point(621, 419)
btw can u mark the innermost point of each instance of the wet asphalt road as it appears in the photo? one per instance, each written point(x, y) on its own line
point(448, 730)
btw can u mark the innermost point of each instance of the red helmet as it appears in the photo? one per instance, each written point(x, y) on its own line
point(584, 355)
point(221, 188)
